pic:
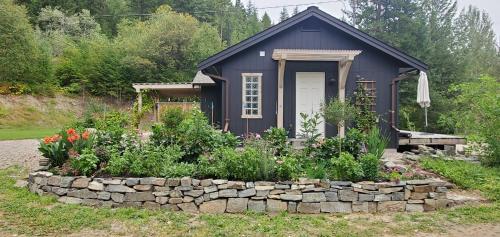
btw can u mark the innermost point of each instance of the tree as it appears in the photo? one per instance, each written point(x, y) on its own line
point(266, 21)
point(23, 59)
point(295, 11)
point(284, 14)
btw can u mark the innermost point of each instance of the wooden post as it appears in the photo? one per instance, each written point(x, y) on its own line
point(281, 82)
point(344, 67)
point(139, 100)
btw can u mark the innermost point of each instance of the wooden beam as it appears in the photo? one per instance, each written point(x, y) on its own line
point(281, 82)
point(344, 67)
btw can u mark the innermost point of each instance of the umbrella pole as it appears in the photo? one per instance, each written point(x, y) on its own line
point(425, 108)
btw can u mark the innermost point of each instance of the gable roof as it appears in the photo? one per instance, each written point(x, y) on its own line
point(306, 14)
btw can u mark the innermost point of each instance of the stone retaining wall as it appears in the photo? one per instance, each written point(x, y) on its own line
point(219, 196)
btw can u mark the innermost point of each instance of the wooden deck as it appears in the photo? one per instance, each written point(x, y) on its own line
point(423, 138)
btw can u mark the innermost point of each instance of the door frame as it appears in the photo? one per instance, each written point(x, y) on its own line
point(323, 98)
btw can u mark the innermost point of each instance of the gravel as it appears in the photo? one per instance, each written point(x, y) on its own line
point(19, 152)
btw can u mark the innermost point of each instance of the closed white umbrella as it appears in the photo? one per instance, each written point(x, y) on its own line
point(423, 98)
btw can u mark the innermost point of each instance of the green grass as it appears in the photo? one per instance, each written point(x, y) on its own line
point(25, 213)
point(26, 133)
point(468, 175)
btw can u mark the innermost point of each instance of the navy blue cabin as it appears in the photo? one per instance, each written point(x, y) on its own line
point(295, 66)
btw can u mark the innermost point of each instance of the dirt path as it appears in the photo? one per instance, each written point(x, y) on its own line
point(19, 152)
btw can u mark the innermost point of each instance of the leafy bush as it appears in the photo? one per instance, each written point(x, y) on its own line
point(309, 130)
point(172, 117)
point(288, 167)
point(86, 163)
point(353, 142)
point(347, 168)
point(113, 123)
point(57, 147)
point(277, 138)
point(376, 142)
point(370, 166)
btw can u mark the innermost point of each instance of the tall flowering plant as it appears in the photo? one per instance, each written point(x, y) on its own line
point(59, 147)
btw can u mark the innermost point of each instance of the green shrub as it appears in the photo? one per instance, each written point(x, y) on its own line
point(277, 138)
point(370, 166)
point(172, 117)
point(353, 142)
point(288, 167)
point(347, 168)
point(376, 142)
point(316, 169)
point(86, 163)
point(113, 123)
point(118, 164)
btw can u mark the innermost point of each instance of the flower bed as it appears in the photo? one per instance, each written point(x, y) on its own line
point(220, 195)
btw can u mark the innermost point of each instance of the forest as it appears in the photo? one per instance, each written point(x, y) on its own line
point(100, 47)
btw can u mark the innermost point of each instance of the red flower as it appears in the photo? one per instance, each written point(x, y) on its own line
point(47, 140)
point(71, 131)
point(85, 135)
point(73, 138)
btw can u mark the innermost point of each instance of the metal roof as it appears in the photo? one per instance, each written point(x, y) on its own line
point(313, 12)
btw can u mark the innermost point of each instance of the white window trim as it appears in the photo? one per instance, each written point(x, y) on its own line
point(259, 90)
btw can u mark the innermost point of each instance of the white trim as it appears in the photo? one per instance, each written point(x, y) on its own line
point(259, 96)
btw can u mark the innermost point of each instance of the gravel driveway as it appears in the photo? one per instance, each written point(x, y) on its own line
point(19, 152)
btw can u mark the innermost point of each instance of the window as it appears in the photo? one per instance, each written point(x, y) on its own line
point(367, 97)
point(251, 100)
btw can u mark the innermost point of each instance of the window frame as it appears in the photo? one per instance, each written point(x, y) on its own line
point(259, 96)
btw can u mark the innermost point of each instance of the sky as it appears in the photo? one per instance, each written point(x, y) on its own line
point(334, 7)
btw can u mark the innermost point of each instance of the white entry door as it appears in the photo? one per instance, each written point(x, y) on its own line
point(309, 95)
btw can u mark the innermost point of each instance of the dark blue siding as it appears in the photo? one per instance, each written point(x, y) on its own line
point(371, 64)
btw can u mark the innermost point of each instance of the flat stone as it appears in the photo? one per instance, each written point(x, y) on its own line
point(80, 183)
point(176, 194)
point(139, 197)
point(161, 200)
point(54, 180)
point(258, 198)
point(441, 189)
point(264, 183)
point(161, 189)
point(210, 189)
point(194, 193)
point(340, 183)
point(418, 196)
point(309, 208)
point(236, 185)
point(308, 181)
point(70, 200)
point(161, 194)
point(292, 207)
point(256, 205)
point(214, 195)
point(282, 186)
point(334, 207)
point(82, 193)
point(92, 202)
point(313, 197)
point(215, 206)
point(273, 196)
point(113, 188)
point(188, 207)
point(434, 204)
point(158, 182)
point(219, 181)
point(199, 200)
point(262, 193)
point(360, 207)
point(264, 188)
point(143, 187)
point(391, 206)
point(117, 197)
point(348, 195)
point(276, 191)
point(151, 205)
point(103, 195)
point(415, 201)
point(66, 181)
point(41, 174)
point(398, 196)
point(247, 193)
point(132, 181)
point(414, 207)
point(331, 196)
point(184, 188)
point(366, 197)
point(175, 200)
point(434, 195)
point(170, 207)
point(276, 205)
point(185, 181)
point(187, 199)
point(382, 197)
point(206, 182)
point(250, 185)
point(390, 190)
point(96, 186)
point(228, 193)
point(112, 181)
point(418, 182)
point(59, 191)
point(195, 182)
point(291, 197)
point(423, 188)
point(173, 182)
point(236, 205)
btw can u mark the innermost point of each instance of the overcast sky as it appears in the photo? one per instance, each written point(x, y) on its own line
point(492, 7)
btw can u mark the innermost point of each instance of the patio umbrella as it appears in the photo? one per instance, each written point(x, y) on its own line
point(423, 98)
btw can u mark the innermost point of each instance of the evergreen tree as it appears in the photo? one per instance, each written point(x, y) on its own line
point(284, 14)
point(295, 11)
point(266, 21)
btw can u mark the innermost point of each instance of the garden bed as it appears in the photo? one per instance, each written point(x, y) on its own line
point(310, 196)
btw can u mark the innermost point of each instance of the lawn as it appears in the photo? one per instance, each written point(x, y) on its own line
point(25, 133)
point(22, 212)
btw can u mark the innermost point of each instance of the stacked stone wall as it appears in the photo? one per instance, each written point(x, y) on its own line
point(220, 196)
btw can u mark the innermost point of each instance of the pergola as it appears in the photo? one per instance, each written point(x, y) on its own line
point(179, 89)
point(344, 57)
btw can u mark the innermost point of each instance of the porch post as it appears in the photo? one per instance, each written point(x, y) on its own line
point(344, 67)
point(281, 80)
